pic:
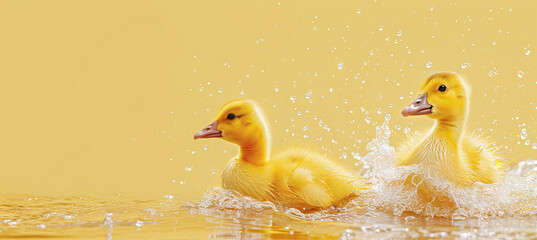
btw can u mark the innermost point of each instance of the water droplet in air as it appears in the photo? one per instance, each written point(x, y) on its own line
point(520, 74)
point(345, 101)
point(381, 28)
point(305, 128)
point(399, 32)
point(276, 89)
point(534, 146)
point(308, 94)
point(331, 90)
point(340, 65)
point(358, 11)
point(169, 197)
point(367, 120)
point(493, 72)
point(465, 65)
point(344, 155)
point(293, 98)
point(371, 53)
point(205, 147)
point(523, 133)
point(220, 90)
point(406, 130)
point(429, 64)
point(528, 52)
point(242, 92)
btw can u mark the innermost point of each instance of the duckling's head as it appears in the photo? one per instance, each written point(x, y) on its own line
point(238, 121)
point(442, 96)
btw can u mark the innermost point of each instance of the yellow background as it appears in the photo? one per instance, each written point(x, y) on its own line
point(103, 97)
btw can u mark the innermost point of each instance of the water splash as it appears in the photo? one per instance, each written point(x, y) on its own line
point(514, 196)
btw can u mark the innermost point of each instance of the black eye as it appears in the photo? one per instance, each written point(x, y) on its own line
point(231, 116)
point(442, 88)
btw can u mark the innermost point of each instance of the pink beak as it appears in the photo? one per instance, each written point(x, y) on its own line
point(211, 131)
point(418, 107)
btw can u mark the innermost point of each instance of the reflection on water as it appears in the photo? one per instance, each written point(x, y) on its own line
point(503, 210)
point(122, 218)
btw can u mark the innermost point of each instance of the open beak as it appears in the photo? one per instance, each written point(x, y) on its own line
point(210, 131)
point(418, 107)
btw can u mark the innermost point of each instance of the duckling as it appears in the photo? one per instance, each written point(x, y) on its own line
point(295, 178)
point(460, 157)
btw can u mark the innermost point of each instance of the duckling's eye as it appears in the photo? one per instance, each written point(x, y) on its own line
point(442, 88)
point(231, 116)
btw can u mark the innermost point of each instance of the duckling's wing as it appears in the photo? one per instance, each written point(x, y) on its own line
point(483, 157)
point(312, 190)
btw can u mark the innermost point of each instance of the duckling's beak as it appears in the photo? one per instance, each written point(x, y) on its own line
point(418, 107)
point(211, 131)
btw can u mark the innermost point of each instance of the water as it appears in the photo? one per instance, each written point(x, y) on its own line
point(503, 210)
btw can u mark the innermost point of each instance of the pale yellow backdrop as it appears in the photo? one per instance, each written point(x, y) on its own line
point(103, 97)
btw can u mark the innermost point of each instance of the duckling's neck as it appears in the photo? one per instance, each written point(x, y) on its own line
point(451, 129)
point(255, 151)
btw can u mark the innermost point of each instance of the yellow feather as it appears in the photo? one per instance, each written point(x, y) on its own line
point(295, 178)
point(459, 157)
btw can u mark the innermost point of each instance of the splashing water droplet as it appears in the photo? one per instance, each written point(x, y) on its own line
point(371, 53)
point(493, 72)
point(340, 65)
point(465, 65)
point(367, 120)
point(345, 101)
point(528, 52)
point(406, 130)
point(400, 32)
point(293, 98)
point(381, 28)
point(523, 133)
point(308, 94)
point(358, 11)
point(429, 64)
point(520, 74)
point(220, 90)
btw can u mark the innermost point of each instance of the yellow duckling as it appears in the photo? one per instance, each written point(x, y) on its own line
point(295, 178)
point(460, 158)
